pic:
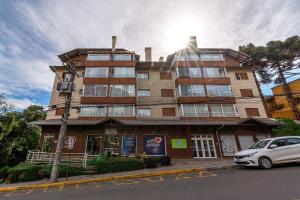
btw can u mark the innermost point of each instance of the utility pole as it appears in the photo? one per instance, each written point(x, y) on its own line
point(66, 87)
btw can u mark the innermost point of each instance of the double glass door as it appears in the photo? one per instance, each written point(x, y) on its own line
point(203, 146)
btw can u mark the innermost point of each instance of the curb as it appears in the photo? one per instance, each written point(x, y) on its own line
point(125, 177)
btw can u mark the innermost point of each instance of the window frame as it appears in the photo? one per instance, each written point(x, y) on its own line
point(113, 74)
point(123, 90)
point(206, 114)
point(148, 109)
point(143, 73)
point(205, 74)
point(97, 74)
point(143, 90)
point(100, 56)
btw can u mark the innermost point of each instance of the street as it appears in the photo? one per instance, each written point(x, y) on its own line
point(279, 183)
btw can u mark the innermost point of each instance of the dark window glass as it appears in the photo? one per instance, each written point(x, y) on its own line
point(292, 141)
point(279, 142)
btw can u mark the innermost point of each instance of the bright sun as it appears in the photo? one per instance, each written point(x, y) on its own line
point(177, 33)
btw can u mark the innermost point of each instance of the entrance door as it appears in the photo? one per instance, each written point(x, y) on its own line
point(228, 144)
point(93, 146)
point(245, 141)
point(203, 146)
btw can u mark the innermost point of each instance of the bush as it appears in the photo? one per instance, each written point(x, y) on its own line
point(106, 165)
point(24, 172)
point(3, 173)
point(165, 160)
point(151, 162)
point(72, 171)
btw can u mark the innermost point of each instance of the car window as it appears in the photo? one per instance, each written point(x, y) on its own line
point(292, 141)
point(260, 144)
point(279, 142)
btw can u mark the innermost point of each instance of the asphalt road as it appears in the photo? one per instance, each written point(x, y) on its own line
point(279, 183)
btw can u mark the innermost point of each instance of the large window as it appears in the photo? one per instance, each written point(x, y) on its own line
point(98, 57)
point(122, 57)
point(121, 111)
point(93, 145)
point(95, 90)
point(211, 57)
point(144, 112)
point(194, 110)
point(123, 72)
point(98, 72)
point(188, 57)
point(218, 90)
point(221, 110)
point(93, 110)
point(214, 72)
point(144, 75)
point(122, 90)
point(189, 72)
point(143, 93)
point(191, 90)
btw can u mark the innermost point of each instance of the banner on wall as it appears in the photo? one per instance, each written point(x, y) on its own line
point(128, 145)
point(154, 145)
point(179, 143)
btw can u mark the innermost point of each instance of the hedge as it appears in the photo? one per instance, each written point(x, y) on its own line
point(23, 172)
point(106, 165)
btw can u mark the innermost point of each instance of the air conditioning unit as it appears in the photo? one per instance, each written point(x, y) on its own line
point(65, 87)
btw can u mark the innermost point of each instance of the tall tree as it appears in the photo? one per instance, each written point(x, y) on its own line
point(16, 135)
point(274, 62)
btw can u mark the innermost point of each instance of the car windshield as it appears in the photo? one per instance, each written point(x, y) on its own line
point(260, 144)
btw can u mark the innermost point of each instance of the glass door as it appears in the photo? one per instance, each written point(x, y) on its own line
point(203, 146)
point(93, 146)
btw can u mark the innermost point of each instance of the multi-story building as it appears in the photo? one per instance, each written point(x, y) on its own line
point(200, 102)
point(279, 105)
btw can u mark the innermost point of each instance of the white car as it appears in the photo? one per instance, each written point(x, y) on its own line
point(268, 152)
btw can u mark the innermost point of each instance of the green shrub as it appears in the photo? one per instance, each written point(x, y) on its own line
point(72, 171)
point(107, 165)
point(150, 162)
point(3, 173)
point(165, 160)
point(24, 172)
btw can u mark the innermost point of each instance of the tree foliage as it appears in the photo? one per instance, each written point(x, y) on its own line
point(275, 62)
point(16, 135)
point(289, 128)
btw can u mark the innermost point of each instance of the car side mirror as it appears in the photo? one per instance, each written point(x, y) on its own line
point(272, 146)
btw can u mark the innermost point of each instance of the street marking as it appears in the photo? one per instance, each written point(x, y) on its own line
point(180, 176)
point(29, 191)
point(45, 189)
point(8, 194)
point(206, 174)
point(124, 183)
point(160, 179)
point(61, 188)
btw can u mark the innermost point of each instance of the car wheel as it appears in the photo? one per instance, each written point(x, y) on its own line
point(265, 163)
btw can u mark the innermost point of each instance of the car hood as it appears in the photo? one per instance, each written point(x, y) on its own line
point(246, 151)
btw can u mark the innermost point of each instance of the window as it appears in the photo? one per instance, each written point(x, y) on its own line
point(123, 72)
point(93, 110)
point(252, 112)
point(144, 112)
point(168, 112)
point(211, 57)
point(292, 141)
point(241, 76)
point(279, 142)
point(222, 110)
point(191, 90)
point(246, 93)
point(98, 57)
point(96, 72)
point(187, 57)
point(214, 72)
point(121, 111)
point(143, 75)
point(165, 76)
point(101, 110)
point(194, 110)
point(122, 57)
point(218, 90)
point(59, 111)
point(48, 143)
point(93, 146)
point(143, 93)
point(167, 93)
point(122, 90)
point(95, 90)
point(189, 72)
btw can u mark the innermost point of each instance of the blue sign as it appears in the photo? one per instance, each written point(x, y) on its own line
point(128, 145)
point(154, 145)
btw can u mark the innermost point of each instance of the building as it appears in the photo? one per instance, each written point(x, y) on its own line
point(278, 104)
point(199, 102)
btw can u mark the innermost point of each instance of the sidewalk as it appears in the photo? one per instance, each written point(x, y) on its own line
point(178, 166)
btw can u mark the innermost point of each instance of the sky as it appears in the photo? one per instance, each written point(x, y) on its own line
point(34, 32)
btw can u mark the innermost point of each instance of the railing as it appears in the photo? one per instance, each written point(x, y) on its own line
point(75, 159)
